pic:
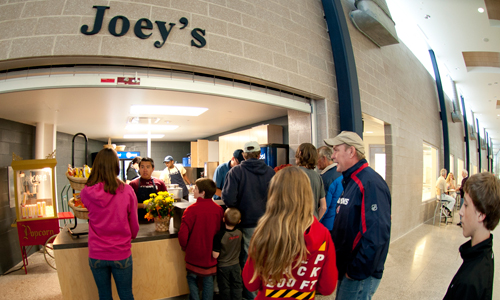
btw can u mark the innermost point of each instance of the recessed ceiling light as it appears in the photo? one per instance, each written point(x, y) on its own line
point(166, 110)
point(151, 127)
point(143, 136)
point(481, 10)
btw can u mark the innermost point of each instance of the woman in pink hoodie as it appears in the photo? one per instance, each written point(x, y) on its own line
point(113, 224)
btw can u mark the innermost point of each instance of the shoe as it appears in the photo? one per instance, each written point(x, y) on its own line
point(447, 212)
point(459, 224)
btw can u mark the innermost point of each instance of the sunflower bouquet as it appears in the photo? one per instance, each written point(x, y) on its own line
point(159, 205)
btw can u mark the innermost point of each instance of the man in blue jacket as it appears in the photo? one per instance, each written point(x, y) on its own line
point(362, 226)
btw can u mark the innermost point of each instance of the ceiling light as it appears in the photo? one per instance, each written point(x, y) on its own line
point(481, 10)
point(166, 110)
point(151, 127)
point(369, 132)
point(143, 136)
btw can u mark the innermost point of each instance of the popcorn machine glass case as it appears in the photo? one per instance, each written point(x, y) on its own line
point(34, 188)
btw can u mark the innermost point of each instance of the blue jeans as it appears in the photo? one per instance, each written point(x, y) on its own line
point(208, 287)
point(122, 273)
point(350, 289)
point(247, 236)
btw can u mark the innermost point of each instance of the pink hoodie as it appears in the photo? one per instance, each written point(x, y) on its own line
point(112, 221)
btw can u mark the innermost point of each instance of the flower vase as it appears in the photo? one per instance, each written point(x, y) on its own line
point(162, 224)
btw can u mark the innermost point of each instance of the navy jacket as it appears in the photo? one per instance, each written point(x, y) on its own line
point(245, 188)
point(329, 177)
point(362, 228)
point(474, 279)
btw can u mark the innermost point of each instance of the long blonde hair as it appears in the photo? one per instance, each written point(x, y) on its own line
point(278, 244)
point(450, 180)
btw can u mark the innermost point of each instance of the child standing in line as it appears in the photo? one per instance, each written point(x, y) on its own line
point(480, 214)
point(226, 248)
point(291, 254)
point(200, 222)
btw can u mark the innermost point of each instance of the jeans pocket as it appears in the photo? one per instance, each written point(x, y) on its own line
point(124, 263)
point(94, 263)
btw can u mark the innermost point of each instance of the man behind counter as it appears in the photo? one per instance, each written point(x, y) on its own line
point(146, 185)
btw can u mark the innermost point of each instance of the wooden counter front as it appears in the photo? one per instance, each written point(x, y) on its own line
point(159, 269)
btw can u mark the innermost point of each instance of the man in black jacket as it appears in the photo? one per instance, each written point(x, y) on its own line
point(480, 214)
point(245, 188)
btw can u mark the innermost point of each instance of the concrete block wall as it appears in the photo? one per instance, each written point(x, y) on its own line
point(20, 139)
point(284, 42)
point(398, 90)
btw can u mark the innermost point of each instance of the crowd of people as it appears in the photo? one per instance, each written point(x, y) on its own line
point(294, 233)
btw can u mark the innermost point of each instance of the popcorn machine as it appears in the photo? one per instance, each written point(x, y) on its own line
point(36, 205)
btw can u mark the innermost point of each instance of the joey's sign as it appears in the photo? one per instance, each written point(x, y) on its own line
point(142, 28)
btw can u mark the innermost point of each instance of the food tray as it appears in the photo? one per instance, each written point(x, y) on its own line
point(80, 213)
point(77, 183)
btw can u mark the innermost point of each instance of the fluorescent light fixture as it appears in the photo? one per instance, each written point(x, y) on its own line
point(143, 136)
point(167, 110)
point(150, 127)
point(481, 10)
point(369, 132)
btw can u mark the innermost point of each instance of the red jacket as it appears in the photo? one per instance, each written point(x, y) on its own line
point(200, 222)
point(317, 274)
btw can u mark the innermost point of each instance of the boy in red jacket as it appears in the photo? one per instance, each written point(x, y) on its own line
point(200, 222)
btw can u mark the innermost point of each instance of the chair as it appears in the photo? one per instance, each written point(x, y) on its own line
point(440, 203)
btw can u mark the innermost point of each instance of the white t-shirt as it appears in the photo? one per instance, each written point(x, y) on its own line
point(441, 184)
point(165, 175)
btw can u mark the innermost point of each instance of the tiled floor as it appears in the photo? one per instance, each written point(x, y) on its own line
point(420, 265)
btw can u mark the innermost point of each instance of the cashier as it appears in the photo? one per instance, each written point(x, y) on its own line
point(146, 185)
point(175, 174)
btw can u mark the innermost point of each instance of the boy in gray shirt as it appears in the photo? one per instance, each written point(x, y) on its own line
point(226, 248)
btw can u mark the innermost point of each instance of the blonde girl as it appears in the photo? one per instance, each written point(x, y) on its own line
point(450, 183)
point(290, 251)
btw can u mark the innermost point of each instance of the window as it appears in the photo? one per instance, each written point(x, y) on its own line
point(430, 172)
point(460, 168)
point(452, 165)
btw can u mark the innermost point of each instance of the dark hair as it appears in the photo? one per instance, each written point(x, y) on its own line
point(484, 190)
point(248, 155)
point(105, 169)
point(145, 159)
point(232, 216)
point(206, 185)
point(307, 155)
point(136, 159)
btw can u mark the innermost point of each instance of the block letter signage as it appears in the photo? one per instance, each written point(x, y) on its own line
point(141, 26)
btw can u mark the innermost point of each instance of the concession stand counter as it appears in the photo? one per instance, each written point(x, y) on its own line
point(158, 263)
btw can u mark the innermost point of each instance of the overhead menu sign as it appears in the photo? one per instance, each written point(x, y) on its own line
point(128, 154)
